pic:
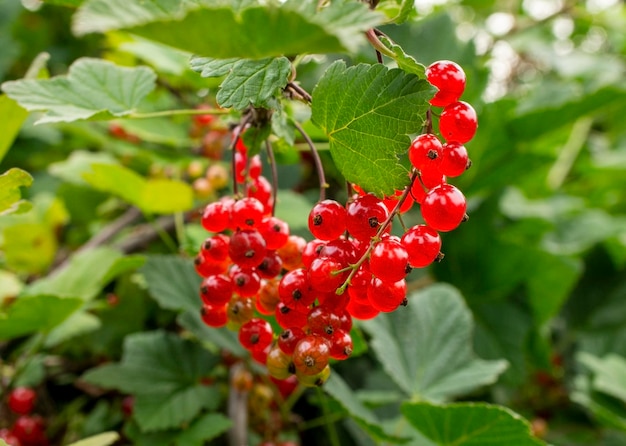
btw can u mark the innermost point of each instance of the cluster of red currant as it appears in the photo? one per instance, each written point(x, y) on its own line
point(27, 429)
point(354, 268)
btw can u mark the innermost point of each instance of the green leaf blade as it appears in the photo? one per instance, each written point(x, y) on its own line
point(173, 282)
point(470, 424)
point(10, 183)
point(426, 348)
point(93, 88)
point(368, 113)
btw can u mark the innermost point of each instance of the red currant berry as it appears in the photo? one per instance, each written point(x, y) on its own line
point(275, 232)
point(9, 438)
point(365, 214)
point(325, 274)
point(392, 201)
point(312, 251)
point(444, 208)
point(255, 334)
point(458, 122)
point(321, 321)
point(247, 213)
point(431, 178)
point(241, 162)
point(341, 250)
point(260, 354)
point(327, 220)
point(22, 400)
point(271, 266)
point(286, 317)
point(267, 299)
point(291, 252)
point(285, 386)
point(422, 244)
point(216, 216)
point(240, 310)
point(261, 189)
point(311, 355)
point(449, 78)
point(215, 248)
point(247, 248)
point(214, 315)
point(289, 338)
point(341, 345)
point(279, 364)
point(255, 168)
point(386, 297)
point(389, 261)
point(361, 310)
point(30, 430)
point(295, 290)
point(245, 282)
point(425, 152)
point(206, 267)
point(216, 290)
point(454, 159)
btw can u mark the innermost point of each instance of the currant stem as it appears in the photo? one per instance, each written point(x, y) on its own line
point(305, 95)
point(236, 136)
point(316, 159)
point(376, 238)
point(270, 155)
point(377, 44)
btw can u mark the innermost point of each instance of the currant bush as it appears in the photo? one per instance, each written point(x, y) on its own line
point(255, 272)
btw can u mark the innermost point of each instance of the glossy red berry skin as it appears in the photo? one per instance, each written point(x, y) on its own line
point(206, 267)
point(216, 216)
point(216, 290)
point(30, 430)
point(386, 297)
point(327, 220)
point(214, 315)
point(255, 334)
point(322, 321)
point(311, 355)
point(458, 122)
point(449, 78)
point(275, 232)
point(9, 438)
point(425, 152)
point(454, 159)
point(287, 317)
point(22, 400)
point(295, 290)
point(361, 309)
point(215, 248)
point(270, 266)
point(389, 261)
point(365, 214)
point(422, 245)
point(341, 345)
point(247, 213)
point(443, 208)
point(325, 274)
point(247, 248)
point(289, 338)
point(246, 282)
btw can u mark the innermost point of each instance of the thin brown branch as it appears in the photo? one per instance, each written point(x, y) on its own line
point(316, 159)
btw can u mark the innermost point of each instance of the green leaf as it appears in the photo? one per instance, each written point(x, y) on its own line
point(79, 323)
point(339, 390)
point(29, 247)
point(173, 282)
point(368, 111)
point(86, 274)
point(470, 424)
point(154, 362)
point(296, 26)
point(12, 117)
point(609, 373)
point(10, 183)
point(104, 439)
point(398, 11)
point(162, 196)
point(70, 3)
point(247, 81)
point(79, 162)
point(93, 88)
point(32, 314)
point(405, 61)
point(204, 429)
point(426, 347)
point(160, 411)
